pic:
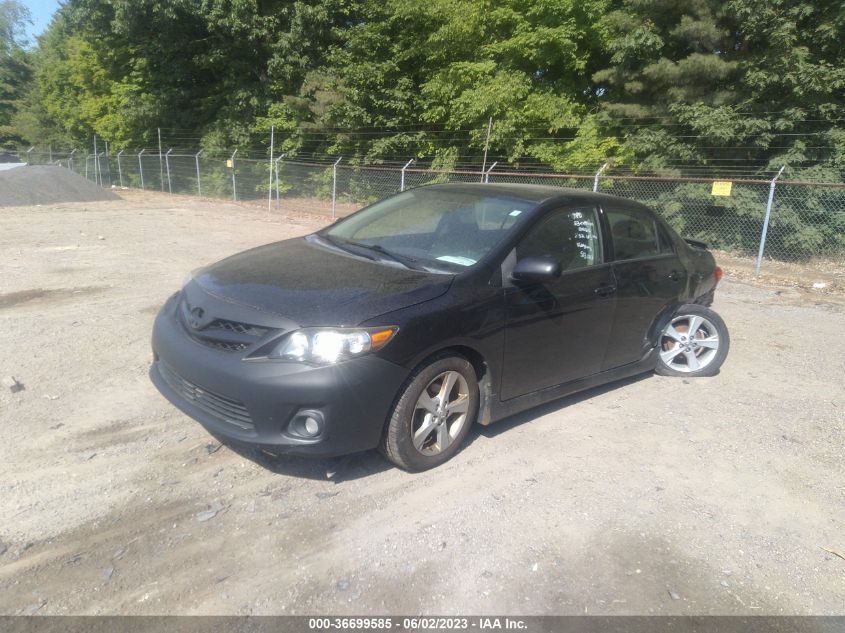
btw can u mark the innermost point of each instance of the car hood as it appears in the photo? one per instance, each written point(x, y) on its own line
point(315, 285)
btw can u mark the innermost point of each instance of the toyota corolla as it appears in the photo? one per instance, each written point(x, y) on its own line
point(402, 325)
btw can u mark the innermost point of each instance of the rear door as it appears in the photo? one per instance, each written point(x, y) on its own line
point(649, 278)
point(557, 331)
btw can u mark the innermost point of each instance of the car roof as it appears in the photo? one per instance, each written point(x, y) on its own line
point(537, 193)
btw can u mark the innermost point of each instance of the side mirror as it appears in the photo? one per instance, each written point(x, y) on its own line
point(536, 269)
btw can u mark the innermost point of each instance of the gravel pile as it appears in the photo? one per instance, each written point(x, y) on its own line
point(47, 184)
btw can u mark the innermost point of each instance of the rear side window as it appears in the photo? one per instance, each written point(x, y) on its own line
point(637, 234)
point(570, 236)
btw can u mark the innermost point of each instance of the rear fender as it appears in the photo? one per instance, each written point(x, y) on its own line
point(661, 321)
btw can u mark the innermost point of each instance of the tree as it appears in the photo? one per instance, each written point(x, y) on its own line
point(206, 71)
point(15, 70)
point(730, 84)
point(652, 84)
point(435, 72)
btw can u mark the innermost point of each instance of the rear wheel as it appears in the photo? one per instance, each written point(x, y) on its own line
point(433, 415)
point(694, 343)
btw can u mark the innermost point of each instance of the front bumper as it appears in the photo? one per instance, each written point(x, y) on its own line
point(253, 402)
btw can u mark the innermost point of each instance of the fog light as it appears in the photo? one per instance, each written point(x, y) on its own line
point(307, 424)
point(311, 426)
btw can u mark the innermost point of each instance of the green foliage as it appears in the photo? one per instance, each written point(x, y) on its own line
point(15, 70)
point(447, 66)
point(738, 82)
point(654, 84)
point(733, 86)
point(14, 17)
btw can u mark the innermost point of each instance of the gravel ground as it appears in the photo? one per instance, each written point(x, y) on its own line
point(47, 184)
point(657, 495)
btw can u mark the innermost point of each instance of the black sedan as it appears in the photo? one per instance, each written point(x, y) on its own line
point(403, 324)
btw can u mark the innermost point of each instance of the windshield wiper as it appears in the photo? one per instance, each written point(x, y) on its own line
point(331, 240)
point(345, 244)
point(408, 262)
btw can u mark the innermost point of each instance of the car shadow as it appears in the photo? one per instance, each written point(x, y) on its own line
point(335, 469)
point(505, 424)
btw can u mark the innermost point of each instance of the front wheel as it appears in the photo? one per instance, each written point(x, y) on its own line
point(694, 343)
point(433, 415)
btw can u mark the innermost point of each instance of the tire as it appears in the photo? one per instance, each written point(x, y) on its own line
point(420, 434)
point(701, 355)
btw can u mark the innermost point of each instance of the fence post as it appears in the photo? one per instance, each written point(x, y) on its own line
point(487, 173)
point(28, 160)
point(119, 169)
point(402, 181)
point(766, 221)
point(486, 147)
point(100, 167)
point(234, 184)
point(141, 167)
point(108, 163)
point(70, 159)
point(167, 163)
point(270, 186)
point(50, 150)
point(334, 187)
point(86, 166)
point(160, 165)
point(199, 182)
point(96, 163)
point(596, 179)
point(278, 203)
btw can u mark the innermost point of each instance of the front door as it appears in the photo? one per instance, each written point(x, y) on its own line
point(557, 331)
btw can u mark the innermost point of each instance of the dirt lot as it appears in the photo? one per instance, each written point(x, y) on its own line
point(658, 495)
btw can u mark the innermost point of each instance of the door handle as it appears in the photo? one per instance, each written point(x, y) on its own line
point(605, 290)
point(675, 275)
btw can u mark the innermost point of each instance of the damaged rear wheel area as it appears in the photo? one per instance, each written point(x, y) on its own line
point(695, 342)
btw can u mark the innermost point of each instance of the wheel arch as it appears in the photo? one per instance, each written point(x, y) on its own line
point(666, 315)
point(662, 320)
point(483, 373)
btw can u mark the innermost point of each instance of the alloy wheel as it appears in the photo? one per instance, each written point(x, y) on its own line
point(440, 413)
point(689, 343)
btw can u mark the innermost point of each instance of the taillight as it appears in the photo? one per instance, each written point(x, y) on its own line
point(717, 274)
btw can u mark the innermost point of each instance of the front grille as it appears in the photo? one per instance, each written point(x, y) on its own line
point(225, 409)
point(222, 334)
point(221, 345)
point(238, 328)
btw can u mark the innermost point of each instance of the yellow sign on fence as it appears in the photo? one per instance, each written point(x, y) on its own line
point(229, 164)
point(721, 188)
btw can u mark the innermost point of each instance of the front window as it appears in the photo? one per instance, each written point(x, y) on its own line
point(431, 228)
point(570, 236)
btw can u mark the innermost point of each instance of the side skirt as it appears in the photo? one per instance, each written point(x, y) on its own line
point(499, 410)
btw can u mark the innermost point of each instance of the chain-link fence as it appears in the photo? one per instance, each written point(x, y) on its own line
point(806, 220)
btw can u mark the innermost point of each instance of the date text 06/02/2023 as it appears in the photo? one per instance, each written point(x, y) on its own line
point(416, 623)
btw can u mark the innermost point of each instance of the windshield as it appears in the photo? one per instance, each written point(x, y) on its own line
point(432, 228)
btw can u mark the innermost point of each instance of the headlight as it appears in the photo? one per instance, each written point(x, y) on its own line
point(326, 346)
